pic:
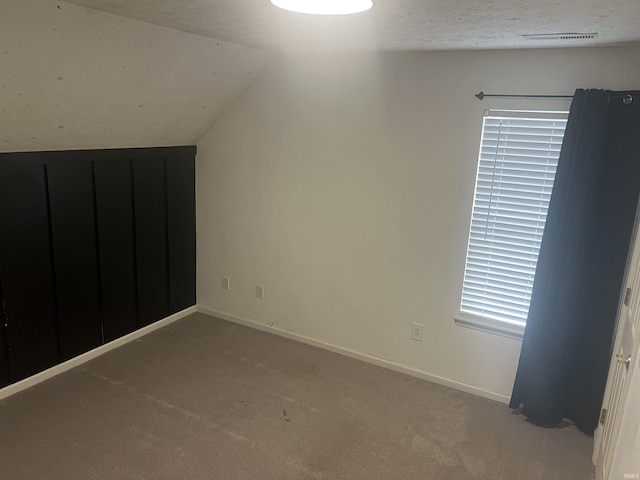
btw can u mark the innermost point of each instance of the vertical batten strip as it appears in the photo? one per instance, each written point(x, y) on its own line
point(135, 240)
point(54, 289)
point(97, 240)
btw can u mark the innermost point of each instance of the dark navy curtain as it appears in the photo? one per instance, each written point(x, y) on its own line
point(566, 346)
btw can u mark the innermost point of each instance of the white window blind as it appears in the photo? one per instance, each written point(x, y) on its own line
point(518, 158)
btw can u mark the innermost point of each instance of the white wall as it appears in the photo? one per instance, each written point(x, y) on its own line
point(344, 185)
point(74, 78)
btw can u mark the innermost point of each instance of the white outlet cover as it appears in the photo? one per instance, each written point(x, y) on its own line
point(226, 283)
point(259, 291)
point(417, 331)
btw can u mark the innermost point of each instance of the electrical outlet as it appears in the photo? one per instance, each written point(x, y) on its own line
point(417, 331)
point(259, 291)
point(226, 283)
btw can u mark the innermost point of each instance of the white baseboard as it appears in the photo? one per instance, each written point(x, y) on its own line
point(498, 397)
point(91, 354)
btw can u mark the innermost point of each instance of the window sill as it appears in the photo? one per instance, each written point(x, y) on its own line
point(488, 325)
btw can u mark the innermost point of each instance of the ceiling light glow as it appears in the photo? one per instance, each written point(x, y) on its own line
point(324, 7)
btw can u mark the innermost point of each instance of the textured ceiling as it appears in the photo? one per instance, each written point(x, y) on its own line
point(393, 24)
point(73, 78)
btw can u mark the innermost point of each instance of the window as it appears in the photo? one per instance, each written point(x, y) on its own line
point(519, 154)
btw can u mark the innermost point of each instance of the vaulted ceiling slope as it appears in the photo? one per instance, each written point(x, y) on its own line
point(394, 24)
point(76, 78)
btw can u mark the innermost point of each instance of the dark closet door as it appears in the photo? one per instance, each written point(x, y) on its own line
point(181, 218)
point(116, 237)
point(4, 362)
point(25, 266)
point(4, 354)
point(73, 233)
point(150, 203)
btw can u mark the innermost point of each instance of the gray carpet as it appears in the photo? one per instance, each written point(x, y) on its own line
point(207, 399)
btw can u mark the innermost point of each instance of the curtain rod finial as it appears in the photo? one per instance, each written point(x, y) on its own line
point(480, 95)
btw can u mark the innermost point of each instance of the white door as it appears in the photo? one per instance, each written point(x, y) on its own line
point(624, 366)
point(626, 454)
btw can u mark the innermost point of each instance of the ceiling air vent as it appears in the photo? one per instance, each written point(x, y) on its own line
point(562, 36)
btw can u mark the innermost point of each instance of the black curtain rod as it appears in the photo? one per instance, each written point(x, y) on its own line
point(481, 95)
point(626, 99)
